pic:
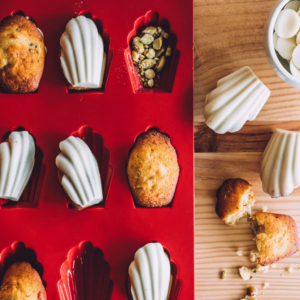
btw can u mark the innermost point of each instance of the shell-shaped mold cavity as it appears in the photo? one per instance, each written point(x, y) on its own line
point(238, 98)
point(167, 76)
point(280, 163)
point(18, 252)
point(81, 177)
point(85, 275)
point(82, 54)
point(150, 274)
point(17, 157)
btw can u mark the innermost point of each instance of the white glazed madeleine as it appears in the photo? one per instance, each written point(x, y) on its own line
point(238, 98)
point(82, 54)
point(17, 157)
point(81, 176)
point(150, 273)
point(280, 163)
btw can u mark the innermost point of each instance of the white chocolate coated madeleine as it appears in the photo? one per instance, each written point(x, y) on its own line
point(81, 177)
point(82, 54)
point(17, 157)
point(280, 163)
point(150, 273)
point(238, 98)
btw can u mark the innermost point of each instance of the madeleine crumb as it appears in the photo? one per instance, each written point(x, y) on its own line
point(264, 209)
point(273, 266)
point(239, 253)
point(266, 284)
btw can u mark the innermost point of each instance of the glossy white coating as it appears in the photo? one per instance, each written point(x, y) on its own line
point(287, 24)
point(238, 98)
point(81, 179)
point(285, 47)
point(82, 53)
point(17, 157)
point(280, 163)
point(150, 273)
point(294, 70)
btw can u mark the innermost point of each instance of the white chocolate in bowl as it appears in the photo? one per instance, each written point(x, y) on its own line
point(82, 54)
point(287, 24)
point(285, 47)
point(294, 70)
point(296, 57)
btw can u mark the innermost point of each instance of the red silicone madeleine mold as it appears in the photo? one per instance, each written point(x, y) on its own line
point(18, 252)
point(102, 154)
point(31, 195)
point(151, 18)
point(85, 275)
point(109, 53)
point(139, 206)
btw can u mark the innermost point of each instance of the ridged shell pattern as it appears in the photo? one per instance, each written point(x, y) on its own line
point(81, 179)
point(82, 53)
point(280, 163)
point(17, 157)
point(238, 98)
point(150, 273)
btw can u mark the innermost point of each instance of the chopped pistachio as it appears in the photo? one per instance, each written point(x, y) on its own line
point(151, 53)
point(223, 275)
point(148, 63)
point(137, 45)
point(150, 30)
point(149, 74)
point(147, 39)
point(169, 51)
point(160, 64)
point(159, 29)
point(157, 44)
point(161, 51)
point(135, 55)
point(151, 82)
point(164, 34)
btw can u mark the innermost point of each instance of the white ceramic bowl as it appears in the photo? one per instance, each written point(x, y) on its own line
point(280, 65)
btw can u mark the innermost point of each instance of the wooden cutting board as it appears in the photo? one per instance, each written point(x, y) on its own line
point(228, 36)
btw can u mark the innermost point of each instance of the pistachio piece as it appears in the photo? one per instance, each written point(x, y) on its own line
point(161, 51)
point(149, 74)
point(159, 29)
point(147, 39)
point(164, 34)
point(135, 55)
point(157, 43)
point(146, 51)
point(160, 64)
point(147, 63)
point(151, 82)
point(150, 30)
point(223, 275)
point(137, 45)
point(151, 53)
point(169, 51)
point(145, 84)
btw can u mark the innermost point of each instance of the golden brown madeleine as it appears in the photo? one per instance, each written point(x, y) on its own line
point(22, 55)
point(153, 170)
point(276, 236)
point(22, 282)
point(235, 199)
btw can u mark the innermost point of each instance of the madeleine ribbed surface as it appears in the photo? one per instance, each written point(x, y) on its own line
point(81, 177)
point(280, 163)
point(150, 273)
point(17, 157)
point(238, 98)
point(82, 53)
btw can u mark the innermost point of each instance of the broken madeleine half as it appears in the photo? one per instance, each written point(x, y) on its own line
point(235, 199)
point(276, 237)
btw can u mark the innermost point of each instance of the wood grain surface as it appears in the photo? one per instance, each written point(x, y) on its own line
point(228, 36)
